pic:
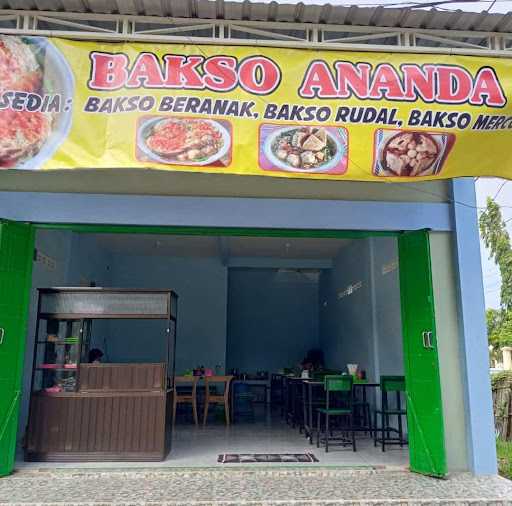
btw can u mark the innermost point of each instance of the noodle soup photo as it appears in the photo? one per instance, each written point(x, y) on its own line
point(184, 141)
point(303, 149)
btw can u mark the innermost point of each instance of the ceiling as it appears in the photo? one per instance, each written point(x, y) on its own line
point(324, 12)
point(222, 247)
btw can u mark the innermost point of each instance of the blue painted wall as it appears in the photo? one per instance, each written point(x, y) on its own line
point(201, 284)
point(306, 213)
point(89, 262)
point(360, 308)
point(346, 318)
point(272, 318)
point(387, 311)
point(473, 337)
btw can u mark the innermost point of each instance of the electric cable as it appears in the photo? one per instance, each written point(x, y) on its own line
point(416, 5)
point(499, 189)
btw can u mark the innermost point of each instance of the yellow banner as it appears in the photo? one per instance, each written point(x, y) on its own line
point(241, 110)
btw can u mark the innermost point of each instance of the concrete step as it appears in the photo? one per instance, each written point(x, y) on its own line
point(247, 486)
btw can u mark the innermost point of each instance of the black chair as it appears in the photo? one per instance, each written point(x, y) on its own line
point(390, 434)
point(341, 407)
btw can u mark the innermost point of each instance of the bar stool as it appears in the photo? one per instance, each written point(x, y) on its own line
point(214, 398)
point(389, 384)
point(363, 412)
point(344, 385)
point(188, 398)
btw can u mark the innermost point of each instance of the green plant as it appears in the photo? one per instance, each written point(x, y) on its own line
point(504, 450)
point(501, 379)
point(496, 237)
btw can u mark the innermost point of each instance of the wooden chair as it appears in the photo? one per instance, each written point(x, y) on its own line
point(190, 398)
point(214, 398)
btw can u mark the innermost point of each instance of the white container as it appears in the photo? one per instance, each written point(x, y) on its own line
point(352, 369)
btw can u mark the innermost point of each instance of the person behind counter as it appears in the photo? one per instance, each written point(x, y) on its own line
point(313, 361)
point(95, 356)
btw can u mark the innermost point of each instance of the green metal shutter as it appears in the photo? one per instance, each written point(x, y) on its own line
point(424, 404)
point(16, 255)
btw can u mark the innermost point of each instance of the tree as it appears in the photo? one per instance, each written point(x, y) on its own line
point(505, 330)
point(497, 240)
point(494, 319)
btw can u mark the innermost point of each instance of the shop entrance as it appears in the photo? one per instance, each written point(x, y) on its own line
point(253, 304)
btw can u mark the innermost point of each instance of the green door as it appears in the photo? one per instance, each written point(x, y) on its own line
point(16, 253)
point(424, 405)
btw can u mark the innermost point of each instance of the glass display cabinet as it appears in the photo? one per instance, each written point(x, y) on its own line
point(127, 403)
point(61, 345)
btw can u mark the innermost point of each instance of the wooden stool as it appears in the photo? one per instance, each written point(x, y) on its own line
point(185, 398)
point(216, 399)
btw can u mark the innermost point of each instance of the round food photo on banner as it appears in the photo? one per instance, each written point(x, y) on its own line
point(410, 153)
point(36, 93)
point(303, 149)
point(173, 140)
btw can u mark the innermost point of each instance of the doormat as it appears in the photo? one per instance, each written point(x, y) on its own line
point(251, 458)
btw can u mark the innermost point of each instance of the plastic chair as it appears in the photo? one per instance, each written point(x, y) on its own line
point(343, 385)
point(185, 397)
point(213, 398)
point(243, 401)
point(389, 384)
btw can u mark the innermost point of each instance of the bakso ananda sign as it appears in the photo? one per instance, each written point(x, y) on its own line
point(271, 112)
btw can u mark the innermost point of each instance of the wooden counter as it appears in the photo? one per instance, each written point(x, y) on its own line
point(119, 413)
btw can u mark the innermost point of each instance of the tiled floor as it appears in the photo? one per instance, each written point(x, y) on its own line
point(200, 447)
